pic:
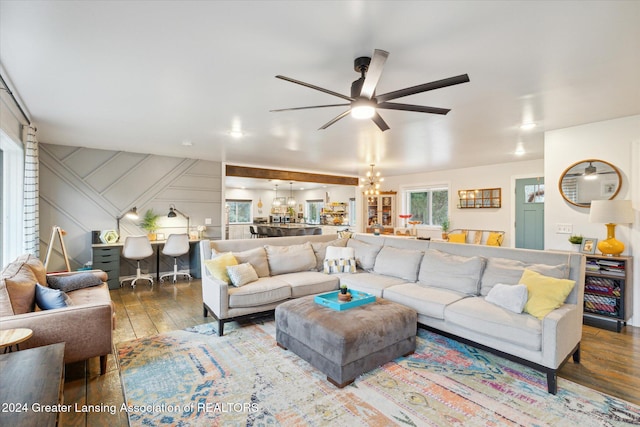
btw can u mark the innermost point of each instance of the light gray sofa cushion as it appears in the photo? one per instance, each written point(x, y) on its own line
point(290, 259)
point(483, 318)
point(448, 271)
point(241, 274)
point(370, 283)
point(401, 263)
point(257, 257)
point(265, 290)
point(509, 271)
point(426, 300)
point(320, 249)
point(365, 253)
point(310, 283)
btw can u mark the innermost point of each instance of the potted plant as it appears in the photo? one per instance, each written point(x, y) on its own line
point(344, 294)
point(150, 223)
point(445, 228)
point(576, 241)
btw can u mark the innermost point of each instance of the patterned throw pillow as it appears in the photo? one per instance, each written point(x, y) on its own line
point(242, 274)
point(339, 265)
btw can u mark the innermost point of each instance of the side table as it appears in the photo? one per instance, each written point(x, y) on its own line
point(11, 337)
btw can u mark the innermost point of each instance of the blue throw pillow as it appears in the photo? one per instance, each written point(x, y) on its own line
point(48, 298)
point(73, 282)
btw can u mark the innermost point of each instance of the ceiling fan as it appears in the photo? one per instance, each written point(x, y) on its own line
point(364, 103)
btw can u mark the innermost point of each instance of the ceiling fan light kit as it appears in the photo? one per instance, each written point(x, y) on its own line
point(364, 103)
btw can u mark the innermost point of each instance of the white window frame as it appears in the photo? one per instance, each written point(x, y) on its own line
point(307, 204)
point(248, 202)
point(12, 198)
point(407, 190)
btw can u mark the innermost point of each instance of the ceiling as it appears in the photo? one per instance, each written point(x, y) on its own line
point(147, 77)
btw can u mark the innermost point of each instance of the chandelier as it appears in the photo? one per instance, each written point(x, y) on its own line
point(371, 183)
point(291, 201)
point(278, 201)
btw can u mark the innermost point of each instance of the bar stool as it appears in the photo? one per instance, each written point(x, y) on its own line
point(176, 245)
point(137, 248)
point(254, 233)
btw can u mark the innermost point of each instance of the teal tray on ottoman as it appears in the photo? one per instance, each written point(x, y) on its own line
point(348, 343)
point(331, 300)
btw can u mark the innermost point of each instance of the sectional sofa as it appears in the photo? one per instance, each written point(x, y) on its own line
point(449, 285)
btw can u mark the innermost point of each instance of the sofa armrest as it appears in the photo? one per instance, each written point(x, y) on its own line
point(215, 294)
point(561, 332)
point(85, 329)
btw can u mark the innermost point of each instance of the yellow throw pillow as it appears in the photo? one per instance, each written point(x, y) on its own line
point(218, 266)
point(494, 239)
point(457, 238)
point(545, 293)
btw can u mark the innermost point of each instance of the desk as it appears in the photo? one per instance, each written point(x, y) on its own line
point(29, 377)
point(106, 257)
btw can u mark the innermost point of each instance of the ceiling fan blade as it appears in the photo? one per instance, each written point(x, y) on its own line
point(335, 119)
point(438, 84)
point(377, 119)
point(416, 108)
point(373, 73)
point(309, 85)
point(306, 108)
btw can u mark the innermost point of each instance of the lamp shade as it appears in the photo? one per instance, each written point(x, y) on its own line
point(611, 211)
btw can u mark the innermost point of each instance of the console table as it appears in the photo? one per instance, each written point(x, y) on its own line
point(30, 380)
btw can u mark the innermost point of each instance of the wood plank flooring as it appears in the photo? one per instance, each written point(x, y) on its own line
point(610, 361)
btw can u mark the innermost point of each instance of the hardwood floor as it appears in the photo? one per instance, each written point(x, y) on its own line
point(610, 361)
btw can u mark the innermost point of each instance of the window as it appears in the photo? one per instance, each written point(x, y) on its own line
point(239, 211)
point(314, 210)
point(430, 205)
point(352, 212)
point(12, 172)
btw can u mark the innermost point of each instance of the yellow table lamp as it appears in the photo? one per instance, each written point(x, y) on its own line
point(611, 212)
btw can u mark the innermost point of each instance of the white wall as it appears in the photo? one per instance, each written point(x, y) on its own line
point(492, 176)
point(615, 141)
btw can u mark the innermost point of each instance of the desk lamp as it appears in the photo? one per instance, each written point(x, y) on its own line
point(173, 212)
point(611, 212)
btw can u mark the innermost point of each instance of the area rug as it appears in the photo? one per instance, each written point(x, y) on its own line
point(195, 378)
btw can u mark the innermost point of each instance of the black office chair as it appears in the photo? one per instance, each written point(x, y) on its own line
point(254, 233)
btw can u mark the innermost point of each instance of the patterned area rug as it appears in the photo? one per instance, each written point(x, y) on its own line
point(195, 378)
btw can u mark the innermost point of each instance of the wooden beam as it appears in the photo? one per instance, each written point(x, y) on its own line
point(247, 172)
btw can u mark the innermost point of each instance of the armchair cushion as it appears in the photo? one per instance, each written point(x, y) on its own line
point(73, 282)
point(48, 299)
point(20, 284)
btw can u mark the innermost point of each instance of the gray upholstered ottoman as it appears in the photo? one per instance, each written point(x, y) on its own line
point(345, 344)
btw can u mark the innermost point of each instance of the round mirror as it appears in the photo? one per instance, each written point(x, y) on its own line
point(589, 180)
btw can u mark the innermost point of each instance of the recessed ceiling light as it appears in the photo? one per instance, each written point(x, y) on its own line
point(520, 151)
point(527, 126)
point(186, 143)
point(236, 134)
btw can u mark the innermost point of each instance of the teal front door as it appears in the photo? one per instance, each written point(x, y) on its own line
point(530, 213)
